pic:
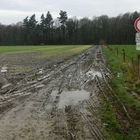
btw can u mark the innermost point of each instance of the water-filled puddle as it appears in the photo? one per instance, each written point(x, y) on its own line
point(3, 69)
point(94, 73)
point(70, 97)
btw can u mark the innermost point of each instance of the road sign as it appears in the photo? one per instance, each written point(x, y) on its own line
point(138, 40)
point(137, 37)
point(137, 24)
point(138, 46)
point(137, 28)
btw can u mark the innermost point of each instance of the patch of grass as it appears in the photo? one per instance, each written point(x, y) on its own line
point(111, 129)
point(48, 50)
point(121, 71)
point(124, 76)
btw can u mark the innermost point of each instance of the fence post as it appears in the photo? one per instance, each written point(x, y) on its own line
point(123, 55)
point(133, 65)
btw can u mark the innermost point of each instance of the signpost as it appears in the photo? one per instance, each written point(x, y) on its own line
point(137, 24)
point(137, 28)
point(138, 41)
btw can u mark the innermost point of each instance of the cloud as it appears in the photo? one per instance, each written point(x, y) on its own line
point(15, 10)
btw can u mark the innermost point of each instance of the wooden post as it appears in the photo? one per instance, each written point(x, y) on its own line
point(138, 67)
point(133, 65)
point(123, 55)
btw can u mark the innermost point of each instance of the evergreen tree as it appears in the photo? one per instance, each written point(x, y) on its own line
point(48, 24)
point(63, 19)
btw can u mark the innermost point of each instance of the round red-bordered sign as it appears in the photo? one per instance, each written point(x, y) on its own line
point(137, 24)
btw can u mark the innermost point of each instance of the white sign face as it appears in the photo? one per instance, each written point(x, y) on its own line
point(137, 40)
point(138, 25)
point(137, 35)
point(138, 46)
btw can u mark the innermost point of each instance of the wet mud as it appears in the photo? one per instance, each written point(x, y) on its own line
point(56, 102)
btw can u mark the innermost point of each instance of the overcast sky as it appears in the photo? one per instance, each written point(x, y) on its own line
point(12, 11)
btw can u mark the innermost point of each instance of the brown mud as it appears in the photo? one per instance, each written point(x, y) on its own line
point(55, 102)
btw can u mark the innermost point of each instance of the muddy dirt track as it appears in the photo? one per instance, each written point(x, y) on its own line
point(55, 103)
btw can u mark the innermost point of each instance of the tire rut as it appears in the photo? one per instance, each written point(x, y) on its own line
point(61, 104)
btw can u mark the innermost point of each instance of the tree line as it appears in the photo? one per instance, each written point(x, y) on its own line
point(64, 30)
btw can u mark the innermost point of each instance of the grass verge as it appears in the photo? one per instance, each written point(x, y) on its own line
point(126, 87)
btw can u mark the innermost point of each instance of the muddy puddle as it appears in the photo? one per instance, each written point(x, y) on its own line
point(4, 69)
point(71, 98)
point(94, 73)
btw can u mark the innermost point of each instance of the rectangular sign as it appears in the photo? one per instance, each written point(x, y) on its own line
point(137, 35)
point(138, 46)
point(137, 40)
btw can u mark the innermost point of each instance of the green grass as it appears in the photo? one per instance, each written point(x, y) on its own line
point(130, 50)
point(48, 50)
point(25, 58)
point(117, 65)
point(124, 75)
point(112, 129)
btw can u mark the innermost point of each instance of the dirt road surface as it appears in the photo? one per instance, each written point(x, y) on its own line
point(56, 103)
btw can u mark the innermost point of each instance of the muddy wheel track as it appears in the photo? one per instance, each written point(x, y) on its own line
point(42, 102)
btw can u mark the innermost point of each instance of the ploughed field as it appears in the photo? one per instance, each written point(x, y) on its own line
point(51, 93)
point(23, 60)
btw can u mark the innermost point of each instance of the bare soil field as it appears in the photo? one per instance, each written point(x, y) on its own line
point(55, 100)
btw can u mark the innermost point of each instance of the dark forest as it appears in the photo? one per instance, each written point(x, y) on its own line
point(64, 30)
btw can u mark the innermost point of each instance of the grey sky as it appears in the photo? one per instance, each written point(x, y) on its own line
point(12, 11)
